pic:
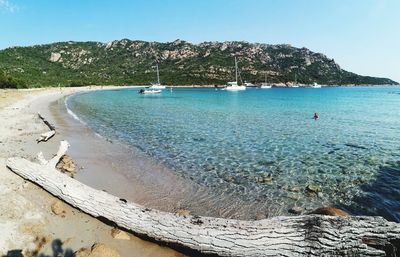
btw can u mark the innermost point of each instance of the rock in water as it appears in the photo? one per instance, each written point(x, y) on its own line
point(58, 209)
point(296, 210)
point(66, 165)
point(313, 188)
point(103, 250)
point(119, 234)
point(330, 211)
point(264, 178)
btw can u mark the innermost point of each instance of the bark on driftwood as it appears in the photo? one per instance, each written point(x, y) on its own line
point(47, 135)
point(309, 235)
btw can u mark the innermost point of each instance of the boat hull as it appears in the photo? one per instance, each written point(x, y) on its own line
point(235, 88)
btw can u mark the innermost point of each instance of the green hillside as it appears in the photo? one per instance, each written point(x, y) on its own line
point(181, 63)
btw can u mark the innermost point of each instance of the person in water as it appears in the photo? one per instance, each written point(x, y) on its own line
point(316, 116)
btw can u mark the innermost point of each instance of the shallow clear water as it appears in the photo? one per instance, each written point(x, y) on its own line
point(262, 145)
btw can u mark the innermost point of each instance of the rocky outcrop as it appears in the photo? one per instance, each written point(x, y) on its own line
point(55, 57)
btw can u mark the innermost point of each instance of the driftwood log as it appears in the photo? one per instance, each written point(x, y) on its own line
point(47, 135)
point(308, 235)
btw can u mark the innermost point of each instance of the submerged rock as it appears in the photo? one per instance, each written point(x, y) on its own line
point(294, 189)
point(264, 178)
point(296, 210)
point(313, 188)
point(260, 216)
point(330, 211)
point(294, 197)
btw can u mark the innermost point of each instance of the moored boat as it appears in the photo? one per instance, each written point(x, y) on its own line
point(315, 85)
point(149, 92)
point(157, 85)
point(249, 84)
point(265, 85)
point(234, 86)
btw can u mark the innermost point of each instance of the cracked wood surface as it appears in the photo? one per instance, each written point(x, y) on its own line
point(308, 235)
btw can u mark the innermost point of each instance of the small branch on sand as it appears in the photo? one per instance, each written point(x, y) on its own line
point(307, 235)
point(47, 135)
point(48, 124)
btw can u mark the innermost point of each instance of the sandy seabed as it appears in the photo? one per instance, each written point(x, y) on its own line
point(27, 222)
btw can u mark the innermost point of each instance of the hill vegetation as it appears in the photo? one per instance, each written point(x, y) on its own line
point(124, 62)
point(8, 82)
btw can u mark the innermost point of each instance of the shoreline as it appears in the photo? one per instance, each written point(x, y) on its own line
point(27, 221)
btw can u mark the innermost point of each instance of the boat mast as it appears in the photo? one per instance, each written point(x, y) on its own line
point(236, 70)
point(158, 75)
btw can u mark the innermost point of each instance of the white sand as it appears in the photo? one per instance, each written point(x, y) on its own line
point(25, 212)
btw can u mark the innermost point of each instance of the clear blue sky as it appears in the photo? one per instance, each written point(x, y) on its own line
point(363, 36)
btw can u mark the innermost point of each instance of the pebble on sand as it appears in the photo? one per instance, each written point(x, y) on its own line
point(66, 165)
point(58, 209)
point(119, 234)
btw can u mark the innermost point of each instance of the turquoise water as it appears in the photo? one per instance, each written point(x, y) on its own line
point(262, 145)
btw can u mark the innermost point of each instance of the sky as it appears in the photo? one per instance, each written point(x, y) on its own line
point(363, 36)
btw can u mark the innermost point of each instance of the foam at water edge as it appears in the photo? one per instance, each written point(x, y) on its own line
point(70, 112)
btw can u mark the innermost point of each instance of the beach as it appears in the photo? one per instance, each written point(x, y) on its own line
point(27, 220)
point(34, 222)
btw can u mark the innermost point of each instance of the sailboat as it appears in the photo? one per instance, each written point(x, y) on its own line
point(265, 85)
point(315, 85)
point(295, 81)
point(149, 92)
point(157, 85)
point(249, 84)
point(233, 86)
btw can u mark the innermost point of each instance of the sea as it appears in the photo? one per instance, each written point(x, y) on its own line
point(263, 146)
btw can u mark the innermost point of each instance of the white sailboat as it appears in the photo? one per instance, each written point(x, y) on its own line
point(157, 85)
point(149, 91)
point(249, 84)
point(265, 85)
point(295, 81)
point(315, 85)
point(234, 86)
